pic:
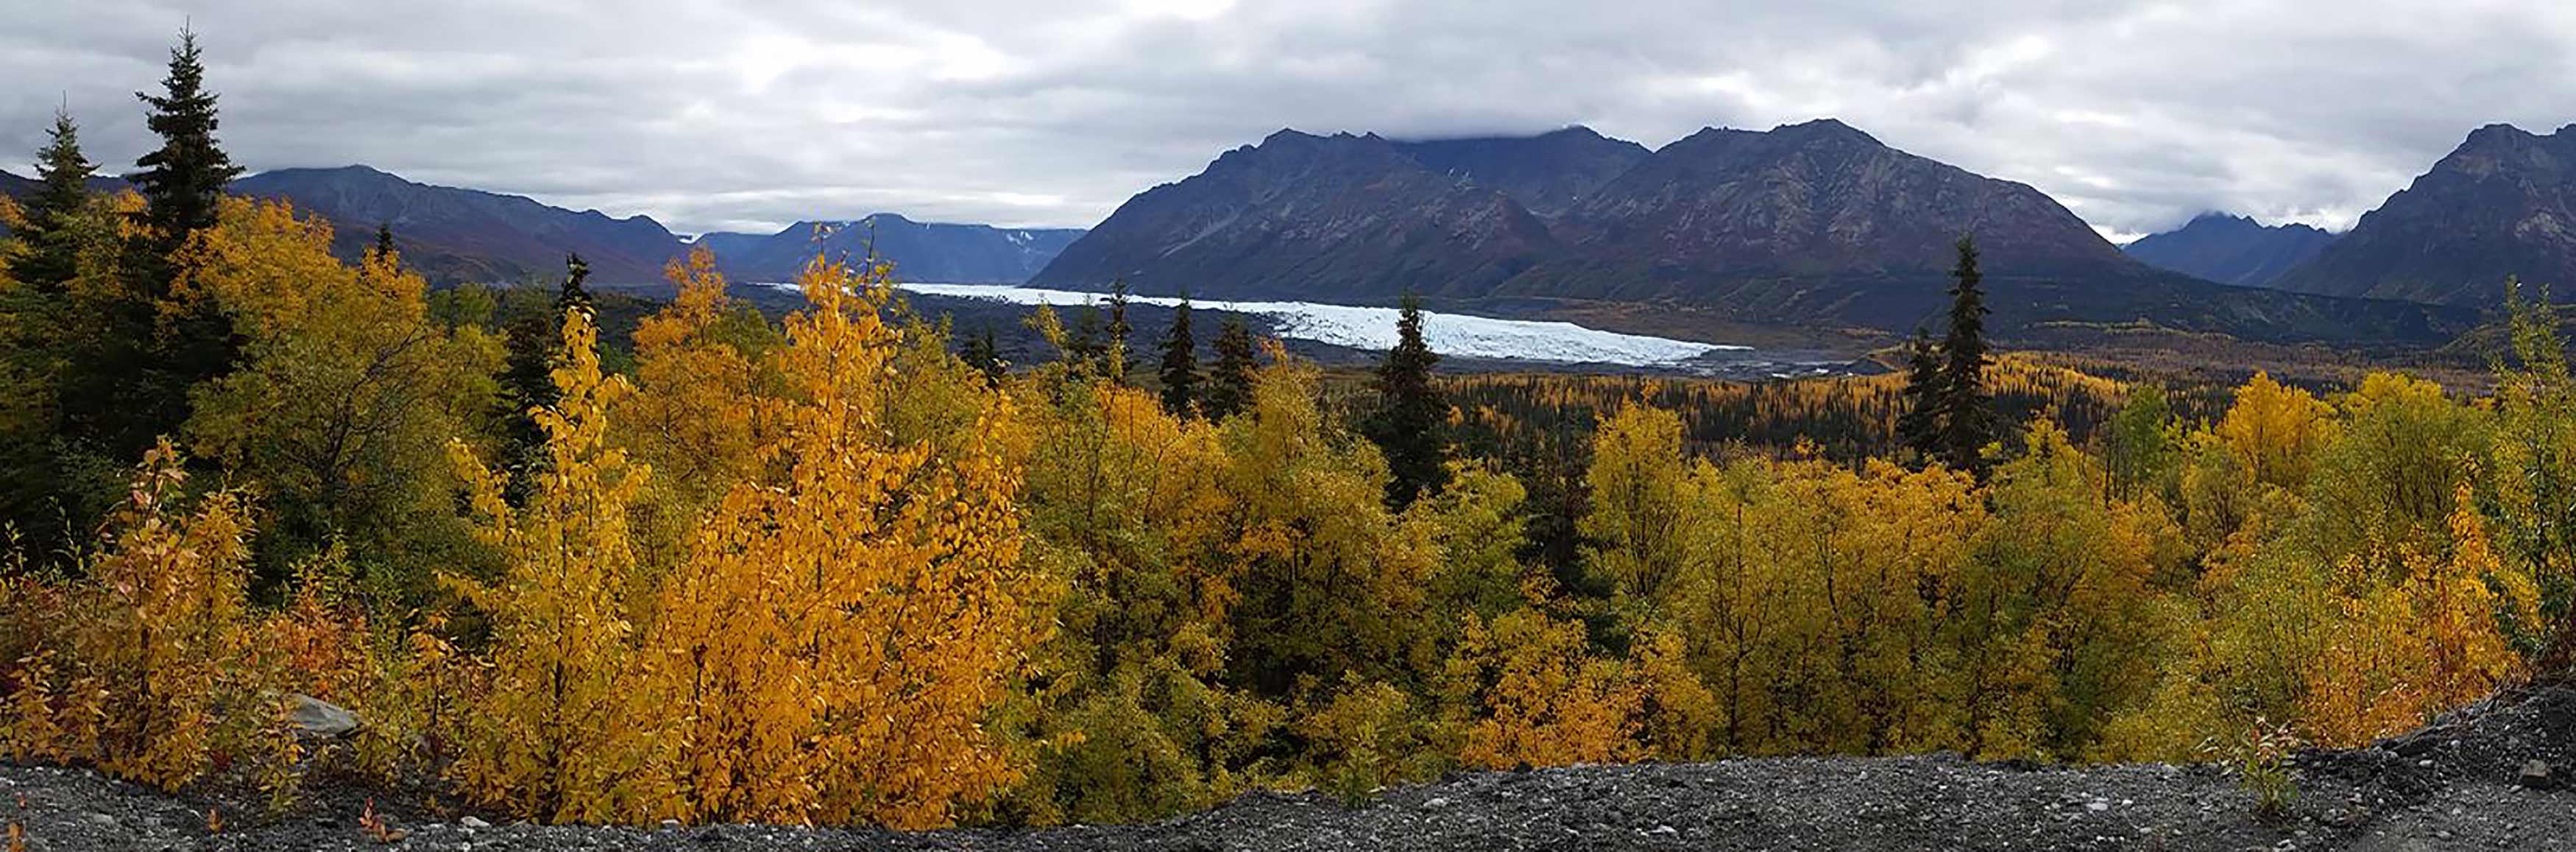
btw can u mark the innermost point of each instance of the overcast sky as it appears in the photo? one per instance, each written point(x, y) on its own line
point(749, 114)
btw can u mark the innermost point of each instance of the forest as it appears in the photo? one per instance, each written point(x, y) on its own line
point(838, 567)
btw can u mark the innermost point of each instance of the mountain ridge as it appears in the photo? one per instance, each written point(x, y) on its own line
point(2502, 203)
point(2231, 249)
point(1352, 212)
point(469, 234)
point(946, 252)
point(461, 234)
point(1816, 224)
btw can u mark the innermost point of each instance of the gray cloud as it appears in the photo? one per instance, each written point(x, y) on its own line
point(745, 115)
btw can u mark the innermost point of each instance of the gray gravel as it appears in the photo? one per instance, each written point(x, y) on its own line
point(2453, 786)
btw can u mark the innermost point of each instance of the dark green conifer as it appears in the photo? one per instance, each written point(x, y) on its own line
point(62, 176)
point(1411, 414)
point(1180, 362)
point(130, 381)
point(1082, 344)
point(1229, 383)
point(1115, 350)
point(1967, 415)
point(572, 296)
point(384, 240)
point(183, 180)
point(1919, 427)
point(532, 343)
point(984, 354)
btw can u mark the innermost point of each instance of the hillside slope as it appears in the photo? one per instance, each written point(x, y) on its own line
point(1337, 218)
point(1817, 200)
point(2502, 203)
point(467, 234)
point(1548, 174)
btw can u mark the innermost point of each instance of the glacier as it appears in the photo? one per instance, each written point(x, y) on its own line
point(1355, 327)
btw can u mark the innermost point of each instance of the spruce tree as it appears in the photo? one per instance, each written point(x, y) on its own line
point(1410, 413)
point(1082, 344)
point(1967, 416)
point(183, 180)
point(984, 354)
point(39, 485)
point(62, 175)
point(129, 383)
point(1229, 384)
point(572, 296)
point(1117, 347)
point(1919, 428)
point(533, 343)
point(1180, 362)
point(384, 240)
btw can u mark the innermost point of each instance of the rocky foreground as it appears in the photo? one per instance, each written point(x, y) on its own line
point(2488, 777)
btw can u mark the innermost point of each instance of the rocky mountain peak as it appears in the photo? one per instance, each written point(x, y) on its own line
point(2503, 203)
point(2231, 249)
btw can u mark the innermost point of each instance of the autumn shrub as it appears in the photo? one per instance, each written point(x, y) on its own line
point(1547, 701)
point(150, 664)
point(838, 636)
point(558, 733)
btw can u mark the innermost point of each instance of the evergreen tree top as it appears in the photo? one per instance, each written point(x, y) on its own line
point(1411, 359)
point(182, 180)
point(62, 169)
point(1180, 373)
point(1967, 417)
point(573, 296)
point(1408, 424)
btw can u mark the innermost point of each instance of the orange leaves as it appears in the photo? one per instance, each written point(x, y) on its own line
point(1550, 702)
point(871, 582)
point(553, 736)
point(129, 668)
point(2403, 652)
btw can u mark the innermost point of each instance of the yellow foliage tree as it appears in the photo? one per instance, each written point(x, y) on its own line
point(1547, 701)
point(557, 733)
point(693, 417)
point(347, 394)
point(840, 633)
point(1638, 481)
point(2275, 430)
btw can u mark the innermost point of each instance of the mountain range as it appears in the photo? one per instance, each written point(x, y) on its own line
point(2502, 203)
point(455, 235)
point(2231, 249)
point(466, 234)
point(921, 251)
point(1816, 224)
point(1807, 224)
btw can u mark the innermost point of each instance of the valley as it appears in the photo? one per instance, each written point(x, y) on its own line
point(1465, 487)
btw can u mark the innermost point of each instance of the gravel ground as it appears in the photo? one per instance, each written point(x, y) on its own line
point(2456, 785)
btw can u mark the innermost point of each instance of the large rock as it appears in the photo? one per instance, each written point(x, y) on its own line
point(316, 717)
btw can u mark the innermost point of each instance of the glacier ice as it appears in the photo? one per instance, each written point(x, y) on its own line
point(1374, 328)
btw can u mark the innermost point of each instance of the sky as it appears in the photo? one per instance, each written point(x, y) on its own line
point(751, 114)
